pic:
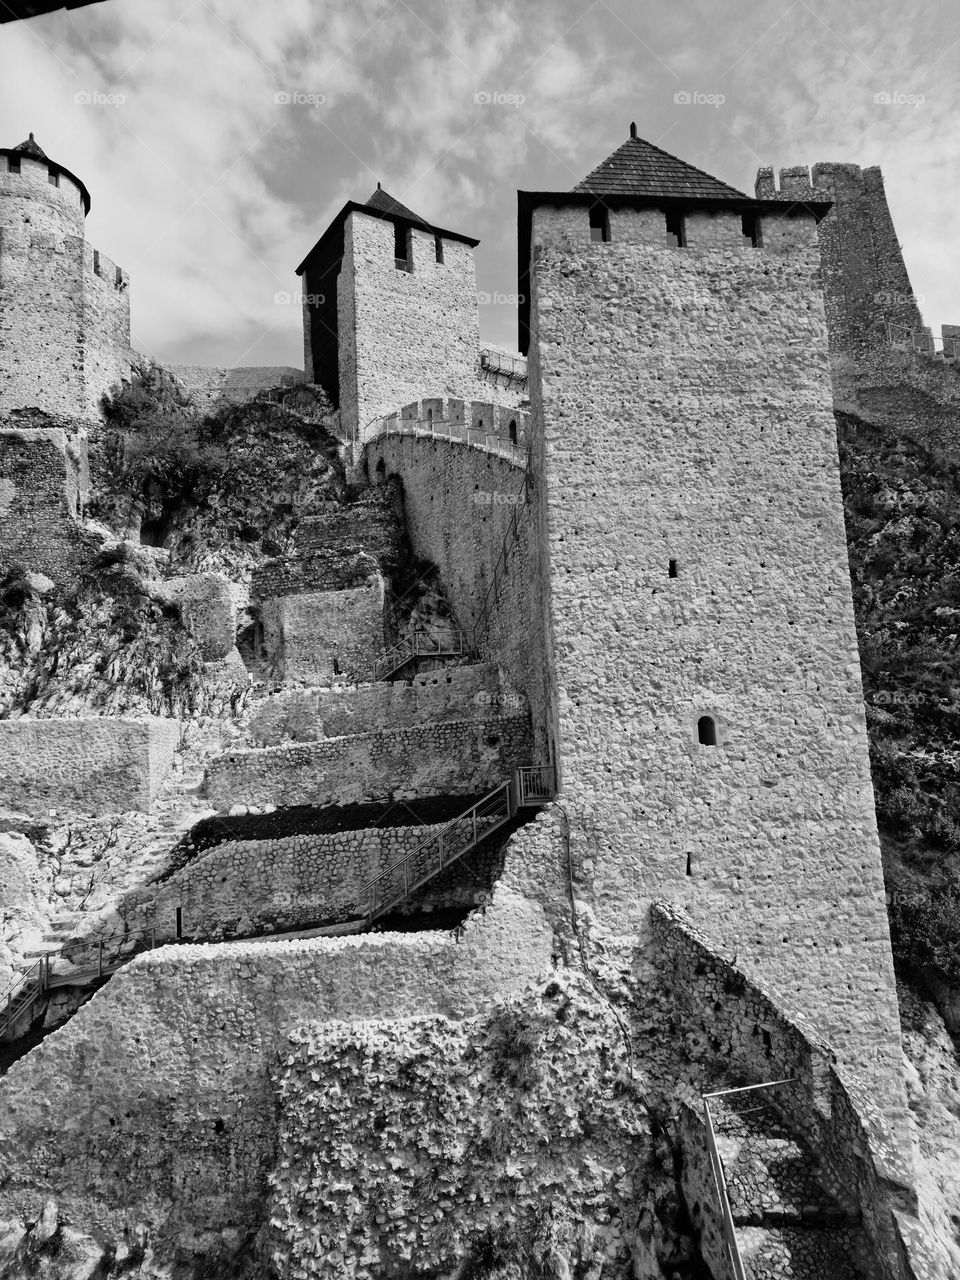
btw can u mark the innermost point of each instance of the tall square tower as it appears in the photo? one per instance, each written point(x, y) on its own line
point(707, 714)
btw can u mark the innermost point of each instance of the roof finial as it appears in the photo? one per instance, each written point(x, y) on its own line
point(633, 128)
point(379, 188)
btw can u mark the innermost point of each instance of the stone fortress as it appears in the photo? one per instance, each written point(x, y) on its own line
point(643, 694)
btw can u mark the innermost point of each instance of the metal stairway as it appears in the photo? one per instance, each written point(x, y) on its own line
point(421, 644)
point(530, 787)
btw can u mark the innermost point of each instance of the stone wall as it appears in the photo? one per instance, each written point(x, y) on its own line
point(447, 693)
point(93, 765)
point(451, 758)
point(861, 1156)
point(460, 504)
point(39, 504)
point(319, 635)
point(154, 1103)
point(471, 1142)
point(685, 458)
point(210, 387)
point(241, 888)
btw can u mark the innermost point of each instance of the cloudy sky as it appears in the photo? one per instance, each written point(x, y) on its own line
point(219, 137)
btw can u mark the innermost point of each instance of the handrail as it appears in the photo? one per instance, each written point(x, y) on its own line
point(36, 980)
point(716, 1164)
point(726, 1214)
point(421, 644)
point(531, 785)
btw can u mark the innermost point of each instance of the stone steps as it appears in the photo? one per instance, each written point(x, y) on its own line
point(802, 1253)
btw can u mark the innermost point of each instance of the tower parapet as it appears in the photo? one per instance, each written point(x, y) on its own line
point(64, 308)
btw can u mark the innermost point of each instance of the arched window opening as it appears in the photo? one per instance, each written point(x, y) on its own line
point(512, 429)
point(707, 731)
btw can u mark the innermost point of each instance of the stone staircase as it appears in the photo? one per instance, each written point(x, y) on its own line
point(786, 1224)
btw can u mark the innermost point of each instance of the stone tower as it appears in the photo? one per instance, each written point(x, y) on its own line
point(869, 297)
point(64, 307)
point(707, 712)
point(389, 311)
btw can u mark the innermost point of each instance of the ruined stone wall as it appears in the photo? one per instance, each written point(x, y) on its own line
point(450, 758)
point(39, 503)
point(210, 387)
point(460, 503)
point(861, 1157)
point(207, 607)
point(319, 635)
point(93, 765)
point(405, 334)
point(683, 433)
point(154, 1103)
point(470, 1142)
point(447, 693)
point(64, 310)
point(244, 887)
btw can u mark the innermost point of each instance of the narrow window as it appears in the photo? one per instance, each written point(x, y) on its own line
point(430, 416)
point(117, 277)
point(96, 262)
point(689, 865)
point(53, 177)
point(179, 922)
point(401, 247)
point(438, 247)
point(13, 164)
point(512, 429)
point(336, 667)
point(599, 223)
point(751, 230)
point(676, 231)
point(672, 571)
point(707, 731)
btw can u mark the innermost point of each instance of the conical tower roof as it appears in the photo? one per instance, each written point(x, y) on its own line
point(31, 148)
point(637, 167)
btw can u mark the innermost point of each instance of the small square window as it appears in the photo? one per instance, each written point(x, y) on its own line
point(676, 231)
point(53, 177)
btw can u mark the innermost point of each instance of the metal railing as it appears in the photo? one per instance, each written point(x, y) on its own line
point(716, 1164)
point(421, 644)
point(532, 785)
point(89, 959)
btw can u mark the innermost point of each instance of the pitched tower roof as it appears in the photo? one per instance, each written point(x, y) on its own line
point(385, 203)
point(637, 167)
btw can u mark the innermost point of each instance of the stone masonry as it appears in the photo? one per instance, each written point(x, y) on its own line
point(699, 588)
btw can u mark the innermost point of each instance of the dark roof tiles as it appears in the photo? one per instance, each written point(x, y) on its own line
point(385, 203)
point(639, 168)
